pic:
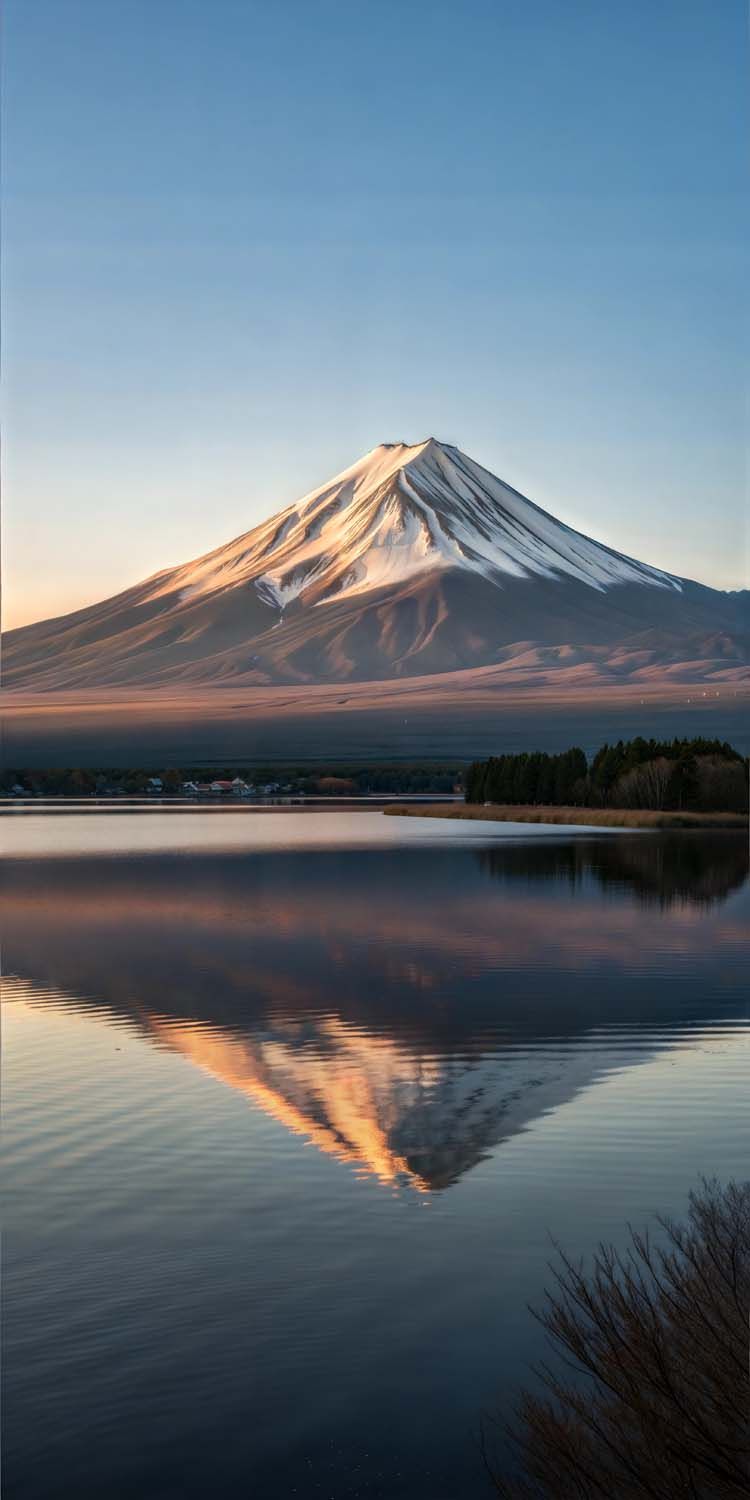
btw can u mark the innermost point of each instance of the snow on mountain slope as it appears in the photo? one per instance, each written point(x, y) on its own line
point(414, 560)
point(398, 512)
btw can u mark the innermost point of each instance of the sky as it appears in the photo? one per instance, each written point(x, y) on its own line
point(245, 242)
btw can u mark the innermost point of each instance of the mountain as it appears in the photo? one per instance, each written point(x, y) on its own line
point(414, 561)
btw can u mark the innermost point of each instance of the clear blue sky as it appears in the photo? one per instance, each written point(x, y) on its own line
point(245, 242)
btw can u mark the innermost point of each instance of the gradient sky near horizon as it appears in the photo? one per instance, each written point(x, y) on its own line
point(245, 242)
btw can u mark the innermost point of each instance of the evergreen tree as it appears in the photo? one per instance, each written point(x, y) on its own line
point(637, 769)
point(475, 780)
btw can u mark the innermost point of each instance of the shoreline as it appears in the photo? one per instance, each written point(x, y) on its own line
point(598, 817)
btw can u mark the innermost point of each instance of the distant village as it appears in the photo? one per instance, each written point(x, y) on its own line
point(234, 788)
point(156, 786)
point(230, 785)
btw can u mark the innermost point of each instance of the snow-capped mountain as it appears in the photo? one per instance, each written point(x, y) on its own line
point(415, 560)
point(402, 511)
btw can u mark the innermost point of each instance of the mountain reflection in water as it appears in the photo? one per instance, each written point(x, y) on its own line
point(405, 1011)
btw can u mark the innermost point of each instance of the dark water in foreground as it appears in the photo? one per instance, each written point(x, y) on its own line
point(293, 1104)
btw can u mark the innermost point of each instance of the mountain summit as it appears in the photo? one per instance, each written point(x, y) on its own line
point(402, 511)
point(414, 560)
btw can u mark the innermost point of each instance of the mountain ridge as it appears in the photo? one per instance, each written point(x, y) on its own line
point(415, 559)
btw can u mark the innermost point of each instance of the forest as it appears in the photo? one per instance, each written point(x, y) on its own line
point(692, 775)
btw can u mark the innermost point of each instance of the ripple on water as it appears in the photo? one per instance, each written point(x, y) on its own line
point(287, 1133)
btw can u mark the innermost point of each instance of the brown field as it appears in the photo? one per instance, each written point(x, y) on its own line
point(598, 817)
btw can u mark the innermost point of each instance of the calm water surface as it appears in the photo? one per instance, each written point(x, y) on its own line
point(293, 1104)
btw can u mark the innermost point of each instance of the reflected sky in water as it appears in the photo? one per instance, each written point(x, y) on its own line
point(289, 1126)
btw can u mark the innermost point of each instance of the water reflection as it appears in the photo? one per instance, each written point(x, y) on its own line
point(699, 869)
point(405, 1011)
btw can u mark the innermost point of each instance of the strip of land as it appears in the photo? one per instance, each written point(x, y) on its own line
point(597, 817)
point(461, 715)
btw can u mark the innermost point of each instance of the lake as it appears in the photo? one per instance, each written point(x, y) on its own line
point(296, 1102)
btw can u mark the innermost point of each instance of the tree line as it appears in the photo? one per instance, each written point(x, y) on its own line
point(696, 775)
point(331, 779)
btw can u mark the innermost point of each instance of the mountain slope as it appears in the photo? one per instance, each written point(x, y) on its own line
point(415, 560)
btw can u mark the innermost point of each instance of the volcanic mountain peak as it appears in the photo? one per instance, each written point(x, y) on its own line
point(402, 510)
point(414, 560)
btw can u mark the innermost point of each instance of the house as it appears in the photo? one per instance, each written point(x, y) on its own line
point(190, 788)
point(222, 786)
point(155, 784)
